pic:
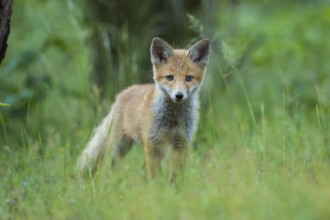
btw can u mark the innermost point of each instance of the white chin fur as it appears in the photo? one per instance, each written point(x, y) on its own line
point(178, 101)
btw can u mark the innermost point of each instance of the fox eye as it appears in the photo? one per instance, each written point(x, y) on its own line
point(189, 78)
point(169, 77)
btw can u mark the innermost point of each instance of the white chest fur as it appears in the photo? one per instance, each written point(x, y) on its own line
point(174, 120)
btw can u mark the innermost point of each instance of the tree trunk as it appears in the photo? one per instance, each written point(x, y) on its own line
point(5, 14)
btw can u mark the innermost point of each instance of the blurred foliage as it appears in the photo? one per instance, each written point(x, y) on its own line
point(22, 91)
point(64, 57)
point(121, 31)
point(38, 65)
point(284, 43)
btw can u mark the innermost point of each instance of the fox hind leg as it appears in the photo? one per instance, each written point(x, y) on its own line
point(120, 149)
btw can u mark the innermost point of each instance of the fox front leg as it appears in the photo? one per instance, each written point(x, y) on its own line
point(153, 156)
point(178, 160)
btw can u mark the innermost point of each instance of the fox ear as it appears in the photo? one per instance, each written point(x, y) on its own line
point(199, 52)
point(160, 51)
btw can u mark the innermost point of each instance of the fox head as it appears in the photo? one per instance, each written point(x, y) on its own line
point(179, 73)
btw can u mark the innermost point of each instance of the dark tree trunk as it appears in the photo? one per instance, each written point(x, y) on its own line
point(5, 14)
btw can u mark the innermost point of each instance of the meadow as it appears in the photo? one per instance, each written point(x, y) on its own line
point(262, 150)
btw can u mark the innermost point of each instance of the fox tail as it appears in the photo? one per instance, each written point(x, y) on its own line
point(96, 147)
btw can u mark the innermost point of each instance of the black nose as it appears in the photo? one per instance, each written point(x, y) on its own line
point(179, 95)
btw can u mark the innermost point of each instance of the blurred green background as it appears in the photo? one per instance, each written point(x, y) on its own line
point(67, 59)
point(266, 91)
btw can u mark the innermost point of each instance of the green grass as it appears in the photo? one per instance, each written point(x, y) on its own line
point(262, 150)
point(279, 170)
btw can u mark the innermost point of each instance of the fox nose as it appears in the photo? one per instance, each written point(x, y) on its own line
point(179, 95)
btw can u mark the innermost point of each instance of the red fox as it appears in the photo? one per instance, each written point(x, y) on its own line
point(162, 114)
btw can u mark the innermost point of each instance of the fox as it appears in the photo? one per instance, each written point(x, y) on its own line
point(163, 115)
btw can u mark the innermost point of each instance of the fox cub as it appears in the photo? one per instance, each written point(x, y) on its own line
point(159, 115)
